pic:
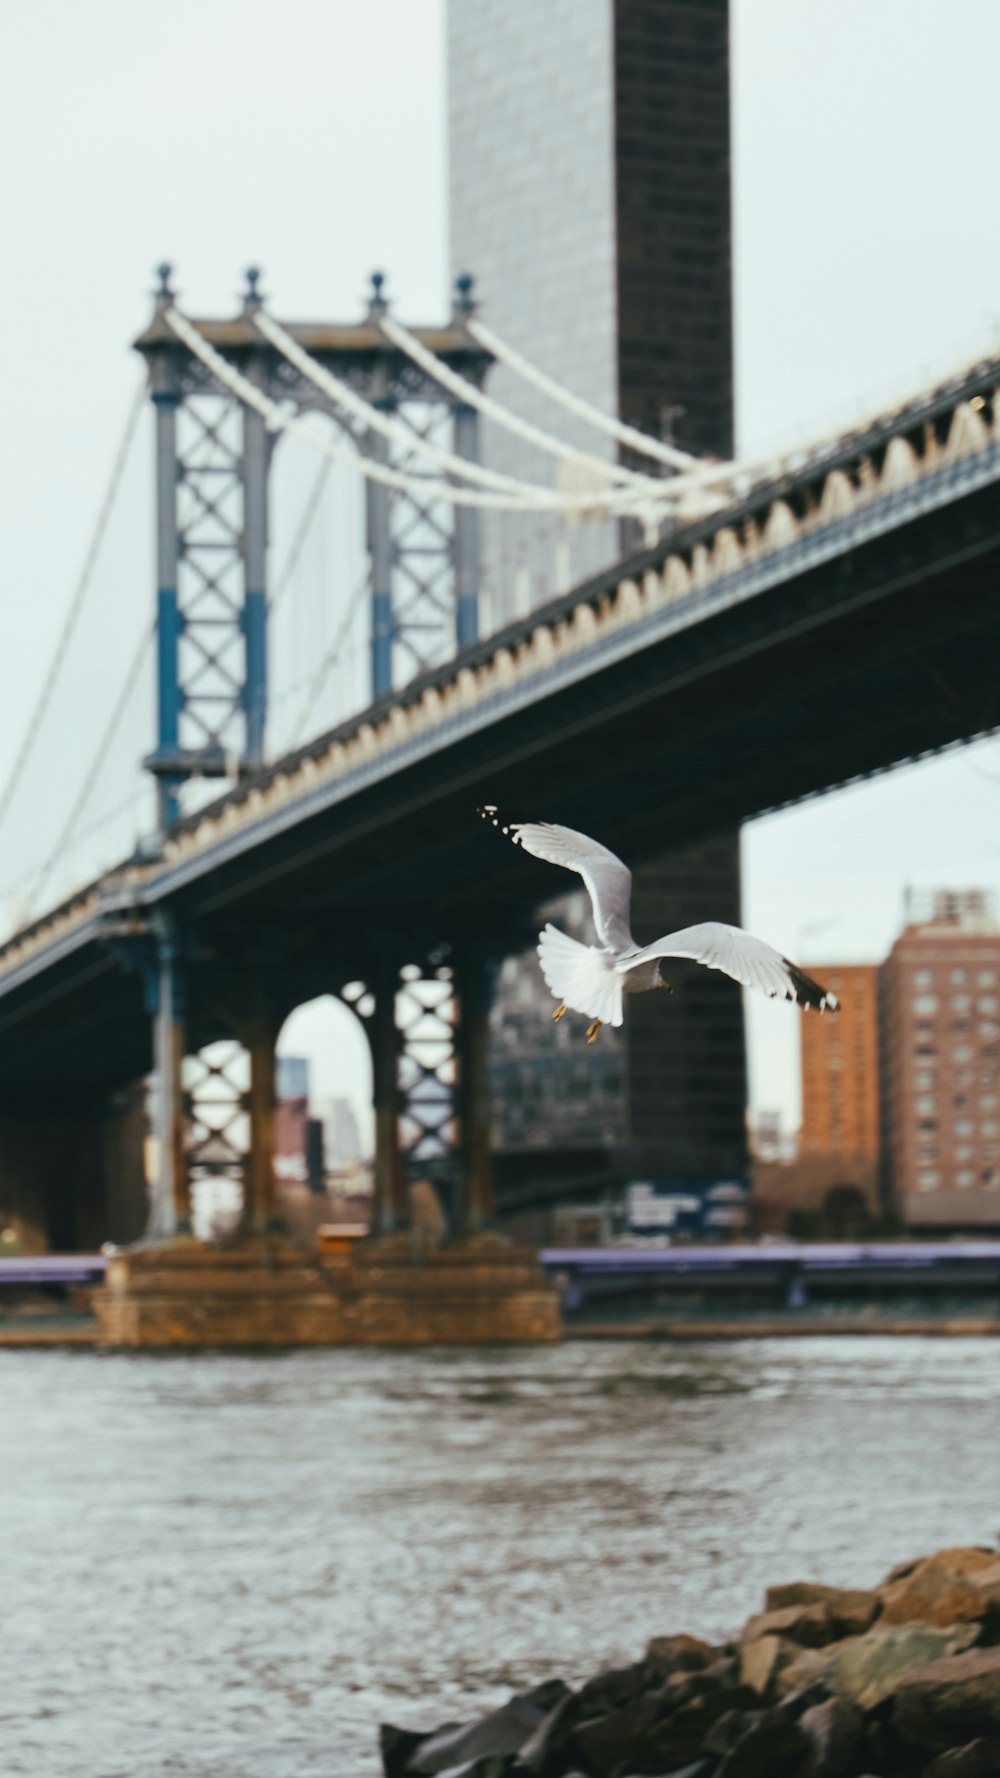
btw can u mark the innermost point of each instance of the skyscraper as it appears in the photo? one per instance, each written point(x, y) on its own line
point(590, 197)
point(589, 191)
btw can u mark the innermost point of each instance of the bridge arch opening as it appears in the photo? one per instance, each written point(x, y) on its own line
point(324, 1114)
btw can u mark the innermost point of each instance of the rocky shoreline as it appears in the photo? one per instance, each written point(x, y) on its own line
point(899, 1681)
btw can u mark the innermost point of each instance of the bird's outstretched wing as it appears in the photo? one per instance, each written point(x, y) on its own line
point(747, 959)
point(607, 879)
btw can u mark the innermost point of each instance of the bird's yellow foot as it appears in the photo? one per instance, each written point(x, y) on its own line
point(557, 1015)
point(592, 1031)
point(667, 989)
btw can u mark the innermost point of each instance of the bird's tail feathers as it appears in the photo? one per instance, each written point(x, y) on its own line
point(580, 976)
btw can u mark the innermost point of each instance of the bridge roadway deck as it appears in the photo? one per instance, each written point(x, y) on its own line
point(858, 628)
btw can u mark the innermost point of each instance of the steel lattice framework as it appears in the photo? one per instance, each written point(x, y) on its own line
point(213, 460)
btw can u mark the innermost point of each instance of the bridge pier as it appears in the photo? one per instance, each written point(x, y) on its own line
point(170, 1206)
point(260, 1035)
point(475, 977)
point(73, 1178)
point(428, 1030)
point(389, 1202)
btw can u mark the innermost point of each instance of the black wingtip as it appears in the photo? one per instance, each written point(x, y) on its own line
point(504, 819)
point(809, 993)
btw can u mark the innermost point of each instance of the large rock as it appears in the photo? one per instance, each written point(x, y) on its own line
point(987, 1582)
point(942, 1589)
point(852, 1609)
point(673, 1652)
point(758, 1744)
point(810, 1625)
point(834, 1731)
point(869, 1668)
point(950, 1701)
point(763, 1660)
point(642, 1737)
point(977, 1759)
point(456, 1745)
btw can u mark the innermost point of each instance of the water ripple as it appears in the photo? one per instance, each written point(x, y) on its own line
point(220, 1564)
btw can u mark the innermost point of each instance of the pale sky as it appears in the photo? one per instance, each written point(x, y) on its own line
point(311, 140)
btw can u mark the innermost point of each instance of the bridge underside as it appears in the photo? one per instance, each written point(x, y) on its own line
point(881, 655)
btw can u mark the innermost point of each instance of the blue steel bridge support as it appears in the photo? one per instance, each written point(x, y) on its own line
point(211, 526)
point(213, 1028)
point(467, 561)
point(212, 467)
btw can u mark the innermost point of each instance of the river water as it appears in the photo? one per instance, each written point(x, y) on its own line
point(217, 1566)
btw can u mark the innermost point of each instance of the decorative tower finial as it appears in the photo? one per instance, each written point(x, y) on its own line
point(377, 304)
point(465, 302)
point(252, 297)
point(164, 292)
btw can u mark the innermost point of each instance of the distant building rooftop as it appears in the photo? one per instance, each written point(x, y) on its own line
point(971, 909)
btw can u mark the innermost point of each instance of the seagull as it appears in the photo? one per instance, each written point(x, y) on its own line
point(593, 979)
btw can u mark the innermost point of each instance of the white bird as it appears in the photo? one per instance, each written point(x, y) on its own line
point(593, 979)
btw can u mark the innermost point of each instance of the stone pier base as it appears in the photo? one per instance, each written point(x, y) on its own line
point(266, 1291)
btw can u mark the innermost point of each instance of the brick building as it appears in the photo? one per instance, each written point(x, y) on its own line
point(831, 1186)
point(840, 1064)
point(939, 994)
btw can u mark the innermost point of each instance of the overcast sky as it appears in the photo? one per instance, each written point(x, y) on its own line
point(310, 139)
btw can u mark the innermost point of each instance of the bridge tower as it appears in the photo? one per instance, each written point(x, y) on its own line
point(218, 995)
point(213, 458)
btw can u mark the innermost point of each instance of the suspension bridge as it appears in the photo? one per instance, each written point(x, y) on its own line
point(781, 627)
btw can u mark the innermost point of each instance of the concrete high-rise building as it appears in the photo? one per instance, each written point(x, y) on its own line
point(590, 198)
point(589, 191)
point(939, 993)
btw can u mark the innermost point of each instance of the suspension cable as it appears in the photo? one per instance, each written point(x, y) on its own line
point(284, 578)
point(78, 600)
point(383, 423)
point(493, 410)
point(330, 658)
point(575, 404)
point(68, 828)
point(369, 467)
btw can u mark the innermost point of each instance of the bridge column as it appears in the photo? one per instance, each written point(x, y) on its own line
point(170, 1208)
point(466, 521)
point(259, 1037)
point(167, 400)
point(389, 1207)
point(379, 524)
point(474, 985)
point(255, 528)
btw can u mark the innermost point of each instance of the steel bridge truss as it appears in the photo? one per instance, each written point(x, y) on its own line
point(213, 462)
point(217, 1023)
